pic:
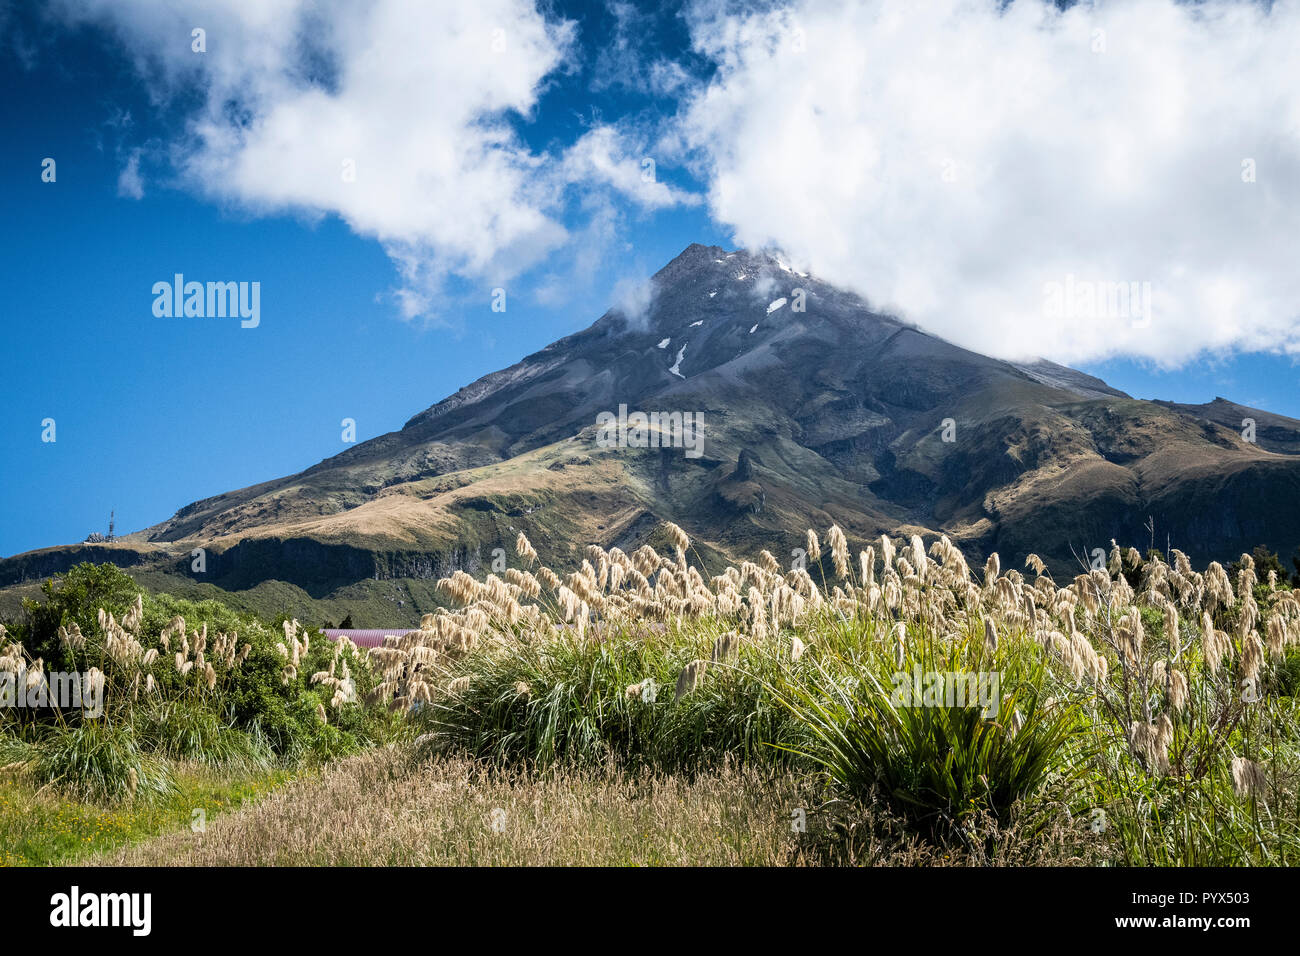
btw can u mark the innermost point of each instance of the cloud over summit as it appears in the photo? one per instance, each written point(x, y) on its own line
point(951, 160)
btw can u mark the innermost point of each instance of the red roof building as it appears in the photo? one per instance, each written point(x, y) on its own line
point(366, 637)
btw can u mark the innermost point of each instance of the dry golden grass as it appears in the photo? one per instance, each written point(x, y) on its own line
point(425, 512)
point(385, 807)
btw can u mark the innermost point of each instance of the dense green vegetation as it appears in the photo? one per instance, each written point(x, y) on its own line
point(1141, 714)
point(181, 681)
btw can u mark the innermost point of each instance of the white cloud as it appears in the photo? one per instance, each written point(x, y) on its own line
point(413, 97)
point(667, 77)
point(606, 156)
point(129, 183)
point(633, 298)
point(619, 59)
point(628, 54)
point(951, 161)
point(587, 252)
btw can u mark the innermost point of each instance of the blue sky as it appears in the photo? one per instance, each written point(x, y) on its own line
point(366, 314)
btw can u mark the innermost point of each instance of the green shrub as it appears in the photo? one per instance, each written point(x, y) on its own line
point(189, 731)
point(99, 762)
point(253, 713)
point(1288, 674)
point(73, 599)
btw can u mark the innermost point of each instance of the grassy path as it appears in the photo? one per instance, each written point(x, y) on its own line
point(43, 829)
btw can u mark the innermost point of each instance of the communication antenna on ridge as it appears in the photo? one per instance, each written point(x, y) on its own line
point(111, 516)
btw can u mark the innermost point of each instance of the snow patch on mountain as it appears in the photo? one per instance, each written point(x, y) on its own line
point(677, 366)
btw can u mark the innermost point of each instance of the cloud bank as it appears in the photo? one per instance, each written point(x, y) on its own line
point(395, 116)
point(1121, 178)
point(994, 174)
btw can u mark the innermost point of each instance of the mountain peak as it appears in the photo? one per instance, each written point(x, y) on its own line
point(690, 259)
point(829, 410)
